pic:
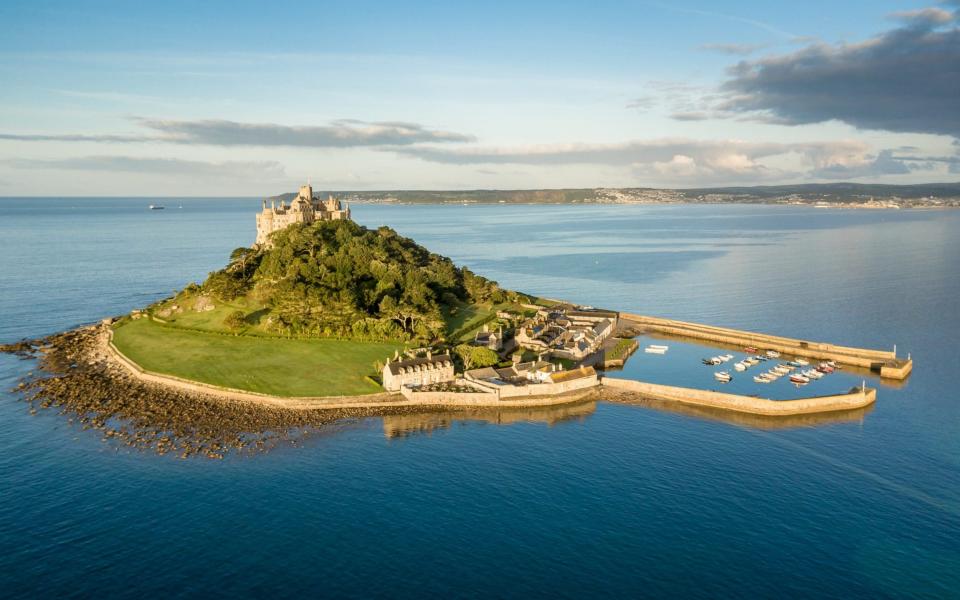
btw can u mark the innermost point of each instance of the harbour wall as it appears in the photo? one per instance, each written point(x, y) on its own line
point(558, 393)
point(854, 399)
point(884, 362)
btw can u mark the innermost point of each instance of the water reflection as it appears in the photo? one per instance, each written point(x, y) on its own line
point(742, 419)
point(405, 425)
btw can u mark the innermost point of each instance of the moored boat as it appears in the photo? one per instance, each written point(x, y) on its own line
point(722, 376)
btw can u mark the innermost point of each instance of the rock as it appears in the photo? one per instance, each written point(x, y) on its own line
point(203, 304)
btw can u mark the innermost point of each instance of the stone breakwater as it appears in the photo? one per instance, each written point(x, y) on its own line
point(852, 400)
point(883, 362)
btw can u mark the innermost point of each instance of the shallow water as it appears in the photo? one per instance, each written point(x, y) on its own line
point(600, 500)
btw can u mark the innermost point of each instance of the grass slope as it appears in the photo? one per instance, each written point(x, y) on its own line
point(282, 367)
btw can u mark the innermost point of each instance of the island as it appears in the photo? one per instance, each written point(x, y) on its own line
point(322, 319)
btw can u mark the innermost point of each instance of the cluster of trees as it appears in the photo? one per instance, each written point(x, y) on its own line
point(339, 278)
point(475, 357)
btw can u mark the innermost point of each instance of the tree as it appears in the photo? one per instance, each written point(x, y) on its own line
point(235, 320)
point(476, 357)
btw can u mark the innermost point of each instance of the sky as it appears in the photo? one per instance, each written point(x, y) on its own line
point(253, 98)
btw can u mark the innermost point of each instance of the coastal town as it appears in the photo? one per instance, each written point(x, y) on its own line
point(555, 350)
point(838, 196)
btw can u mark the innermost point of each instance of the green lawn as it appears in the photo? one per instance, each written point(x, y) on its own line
point(470, 318)
point(283, 367)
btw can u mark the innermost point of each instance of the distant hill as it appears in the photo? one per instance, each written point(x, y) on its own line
point(926, 194)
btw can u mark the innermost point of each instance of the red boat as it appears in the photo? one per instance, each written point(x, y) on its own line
point(750, 350)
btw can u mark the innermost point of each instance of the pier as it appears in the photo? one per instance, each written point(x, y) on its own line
point(854, 399)
point(883, 362)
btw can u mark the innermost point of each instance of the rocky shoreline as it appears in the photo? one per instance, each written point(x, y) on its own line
point(77, 376)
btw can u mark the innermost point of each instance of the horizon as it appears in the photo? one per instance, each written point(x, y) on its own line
point(465, 190)
point(536, 96)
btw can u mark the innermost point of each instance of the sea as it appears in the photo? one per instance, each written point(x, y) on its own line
point(600, 500)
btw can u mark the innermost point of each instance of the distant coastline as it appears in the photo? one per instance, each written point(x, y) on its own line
point(828, 195)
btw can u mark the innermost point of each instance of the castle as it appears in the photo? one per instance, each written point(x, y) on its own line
point(302, 209)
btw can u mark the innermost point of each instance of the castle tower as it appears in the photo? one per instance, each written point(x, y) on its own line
point(306, 192)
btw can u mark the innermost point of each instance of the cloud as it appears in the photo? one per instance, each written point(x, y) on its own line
point(883, 164)
point(690, 116)
point(337, 134)
point(643, 103)
point(704, 160)
point(248, 170)
point(733, 49)
point(924, 17)
point(905, 80)
point(952, 162)
point(71, 137)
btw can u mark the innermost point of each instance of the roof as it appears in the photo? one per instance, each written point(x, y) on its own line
point(561, 376)
point(483, 373)
point(599, 326)
point(439, 360)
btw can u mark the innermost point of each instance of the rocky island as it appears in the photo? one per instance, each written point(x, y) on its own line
point(324, 319)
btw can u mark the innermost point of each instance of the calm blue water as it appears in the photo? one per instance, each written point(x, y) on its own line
point(621, 500)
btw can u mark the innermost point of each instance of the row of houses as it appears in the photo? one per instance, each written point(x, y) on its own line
point(569, 333)
point(533, 378)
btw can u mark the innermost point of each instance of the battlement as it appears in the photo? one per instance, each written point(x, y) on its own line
point(305, 208)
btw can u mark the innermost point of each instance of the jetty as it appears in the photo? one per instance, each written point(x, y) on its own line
point(884, 362)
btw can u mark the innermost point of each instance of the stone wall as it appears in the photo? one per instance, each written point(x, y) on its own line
point(747, 404)
point(546, 389)
point(875, 360)
point(491, 400)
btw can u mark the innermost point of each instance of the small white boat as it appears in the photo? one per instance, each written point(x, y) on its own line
point(660, 346)
point(763, 378)
point(773, 354)
point(722, 376)
point(798, 378)
point(802, 361)
point(812, 374)
point(726, 357)
point(156, 207)
point(740, 366)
